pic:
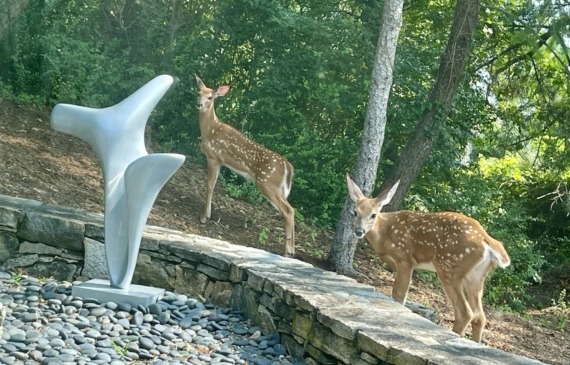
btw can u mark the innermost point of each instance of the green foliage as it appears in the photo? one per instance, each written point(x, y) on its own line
point(556, 249)
point(16, 280)
point(319, 168)
point(263, 235)
point(561, 309)
point(49, 66)
point(244, 189)
point(122, 350)
point(509, 285)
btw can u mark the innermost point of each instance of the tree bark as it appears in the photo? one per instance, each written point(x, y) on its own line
point(344, 242)
point(451, 68)
point(9, 12)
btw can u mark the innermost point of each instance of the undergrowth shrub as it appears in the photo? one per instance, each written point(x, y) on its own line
point(509, 286)
point(319, 187)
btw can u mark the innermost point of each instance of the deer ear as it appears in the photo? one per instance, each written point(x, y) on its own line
point(386, 196)
point(353, 190)
point(200, 83)
point(222, 90)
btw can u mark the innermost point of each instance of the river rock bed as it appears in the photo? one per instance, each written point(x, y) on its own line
point(44, 324)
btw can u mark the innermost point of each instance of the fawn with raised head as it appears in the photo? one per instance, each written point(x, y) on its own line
point(453, 245)
point(224, 145)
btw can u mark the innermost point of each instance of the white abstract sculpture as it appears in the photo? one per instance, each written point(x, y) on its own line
point(133, 178)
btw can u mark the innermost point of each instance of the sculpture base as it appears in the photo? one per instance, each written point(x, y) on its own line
point(102, 291)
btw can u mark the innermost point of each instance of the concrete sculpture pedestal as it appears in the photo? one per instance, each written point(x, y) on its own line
point(102, 291)
point(133, 179)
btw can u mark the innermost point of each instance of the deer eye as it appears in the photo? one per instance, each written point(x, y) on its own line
point(354, 213)
point(373, 216)
point(209, 98)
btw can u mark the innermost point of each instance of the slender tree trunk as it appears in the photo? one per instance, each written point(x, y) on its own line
point(344, 242)
point(9, 12)
point(451, 69)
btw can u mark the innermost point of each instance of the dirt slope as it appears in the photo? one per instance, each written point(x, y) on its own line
point(41, 164)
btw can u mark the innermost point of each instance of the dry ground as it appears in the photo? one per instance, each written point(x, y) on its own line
point(41, 164)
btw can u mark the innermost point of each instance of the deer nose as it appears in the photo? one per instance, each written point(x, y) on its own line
point(359, 232)
point(198, 104)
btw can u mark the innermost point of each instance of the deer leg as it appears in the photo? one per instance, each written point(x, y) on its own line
point(213, 171)
point(289, 215)
point(453, 288)
point(278, 201)
point(402, 282)
point(475, 294)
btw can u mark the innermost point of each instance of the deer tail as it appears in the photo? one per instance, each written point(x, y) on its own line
point(288, 178)
point(498, 251)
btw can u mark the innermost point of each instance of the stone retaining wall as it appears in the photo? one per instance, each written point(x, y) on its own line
point(323, 318)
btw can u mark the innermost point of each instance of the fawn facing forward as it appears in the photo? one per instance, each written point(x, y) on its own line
point(453, 245)
point(224, 145)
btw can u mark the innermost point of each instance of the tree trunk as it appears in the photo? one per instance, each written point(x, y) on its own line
point(451, 69)
point(9, 12)
point(344, 241)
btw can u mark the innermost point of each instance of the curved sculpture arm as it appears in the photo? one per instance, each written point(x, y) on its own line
point(144, 179)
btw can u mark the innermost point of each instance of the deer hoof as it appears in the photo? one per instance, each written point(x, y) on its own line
point(203, 220)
